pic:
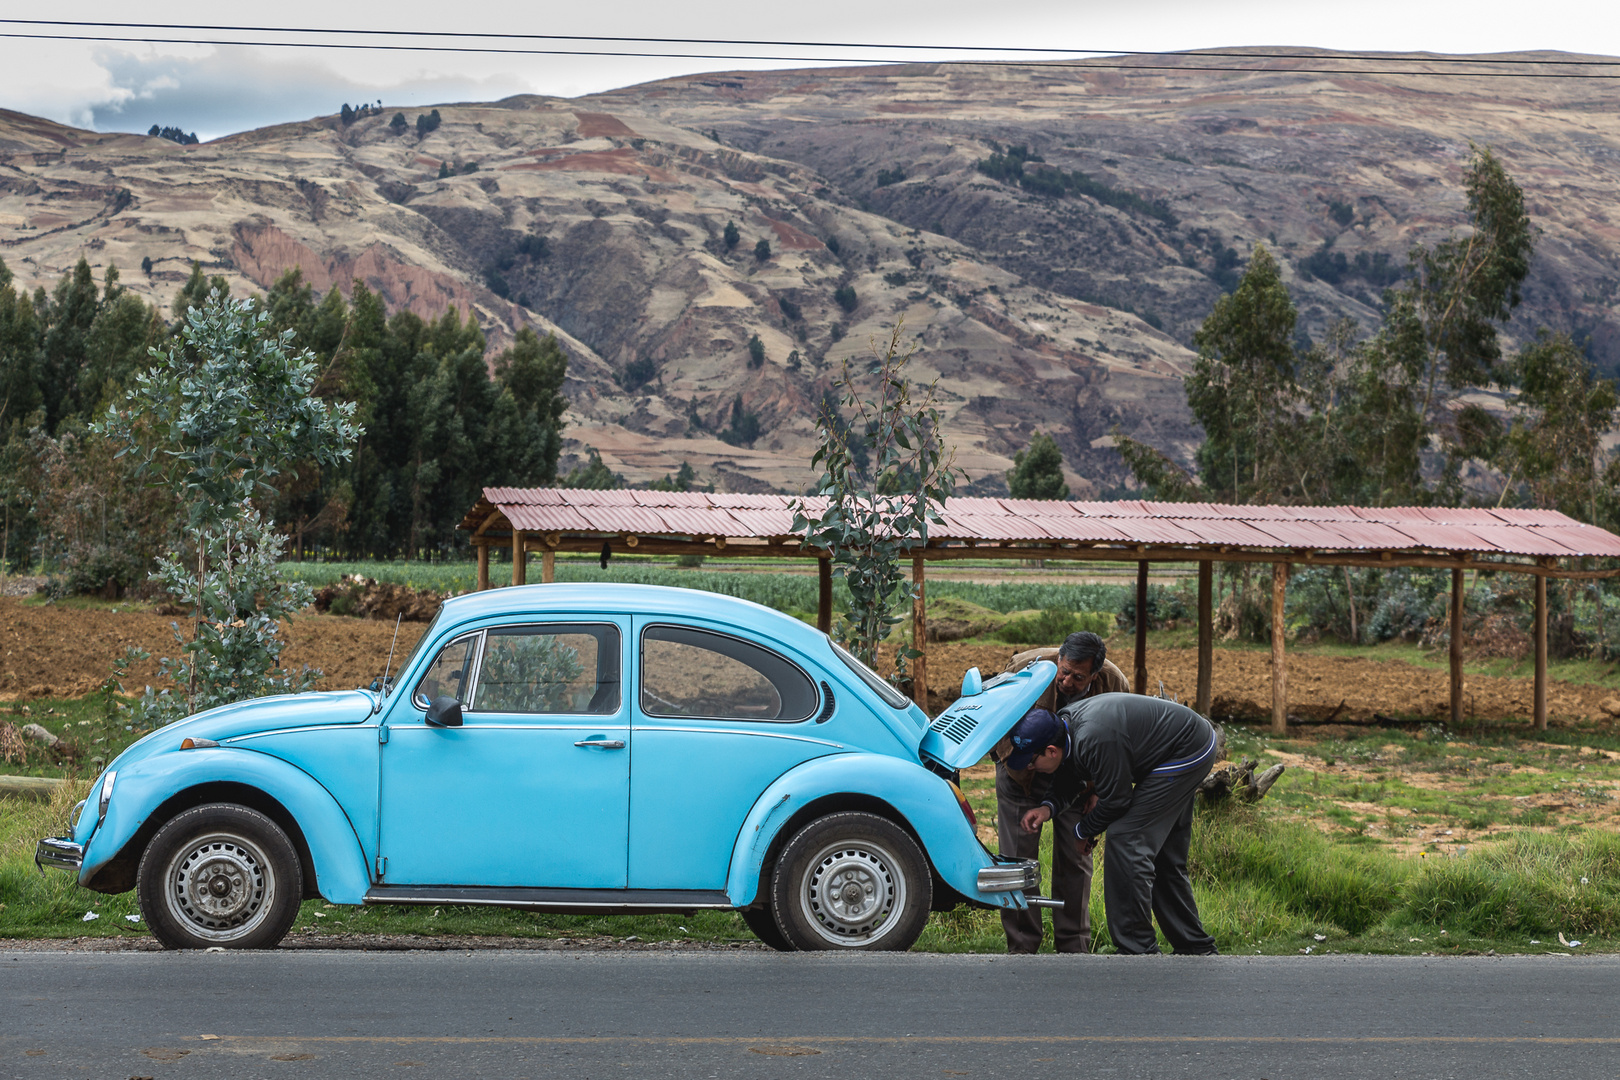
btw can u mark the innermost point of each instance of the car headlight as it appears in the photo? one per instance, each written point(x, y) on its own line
point(106, 794)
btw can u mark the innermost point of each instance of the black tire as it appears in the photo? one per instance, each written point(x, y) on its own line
point(763, 924)
point(851, 881)
point(220, 875)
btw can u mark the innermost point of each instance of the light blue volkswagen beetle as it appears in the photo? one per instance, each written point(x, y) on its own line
point(568, 748)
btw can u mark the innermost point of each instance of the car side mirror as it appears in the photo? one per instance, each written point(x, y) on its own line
point(445, 712)
point(972, 683)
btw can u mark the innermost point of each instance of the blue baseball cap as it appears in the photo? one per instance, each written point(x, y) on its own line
point(1034, 733)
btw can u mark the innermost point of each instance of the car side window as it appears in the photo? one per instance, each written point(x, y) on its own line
point(448, 673)
point(550, 668)
point(698, 673)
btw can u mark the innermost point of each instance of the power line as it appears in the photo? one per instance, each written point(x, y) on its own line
point(1083, 64)
point(1419, 58)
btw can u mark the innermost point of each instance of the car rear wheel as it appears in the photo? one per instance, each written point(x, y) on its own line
point(220, 875)
point(851, 881)
point(763, 923)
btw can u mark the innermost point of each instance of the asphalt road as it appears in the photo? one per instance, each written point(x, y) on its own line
point(308, 1014)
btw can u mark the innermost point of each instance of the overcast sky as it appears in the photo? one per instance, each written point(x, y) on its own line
point(216, 90)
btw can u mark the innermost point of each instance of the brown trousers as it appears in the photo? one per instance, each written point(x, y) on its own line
point(1071, 872)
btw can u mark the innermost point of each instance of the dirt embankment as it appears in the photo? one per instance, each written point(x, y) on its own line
point(55, 652)
point(48, 651)
point(1316, 685)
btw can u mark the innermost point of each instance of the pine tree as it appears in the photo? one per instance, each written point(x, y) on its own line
point(731, 235)
point(1037, 473)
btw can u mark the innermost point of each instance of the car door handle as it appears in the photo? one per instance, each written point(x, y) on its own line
point(606, 744)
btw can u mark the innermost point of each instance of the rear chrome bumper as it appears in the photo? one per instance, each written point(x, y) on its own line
point(60, 852)
point(1019, 875)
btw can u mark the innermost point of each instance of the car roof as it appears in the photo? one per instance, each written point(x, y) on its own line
point(612, 598)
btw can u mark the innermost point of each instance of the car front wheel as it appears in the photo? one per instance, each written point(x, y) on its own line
point(220, 875)
point(851, 881)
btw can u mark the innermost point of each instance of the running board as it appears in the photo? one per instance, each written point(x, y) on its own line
point(561, 901)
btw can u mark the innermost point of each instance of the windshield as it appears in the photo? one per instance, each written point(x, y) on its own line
point(891, 697)
point(421, 643)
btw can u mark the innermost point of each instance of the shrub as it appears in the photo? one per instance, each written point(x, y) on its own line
point(398, 124)
point(744, 427)
point(427, 123)
point(638, 373)
point(731, 235)
point(1341, 212)
point(756, 352)
point(790, 310)
point(762, 250)
point(846, 298)
point(885, 177)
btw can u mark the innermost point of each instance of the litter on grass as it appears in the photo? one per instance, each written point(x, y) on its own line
point(90, 916)
point(1566, 942)
point(132, 918)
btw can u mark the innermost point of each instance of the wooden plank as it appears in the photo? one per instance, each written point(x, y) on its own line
point(824, 595)
point(919, 631)
point(483, 567)
point(1541, 654)
point(1456, 648)
point(1139, 684)
point(548, 566)
point(520, 558)
point(1279, 634)
point(1206, 636)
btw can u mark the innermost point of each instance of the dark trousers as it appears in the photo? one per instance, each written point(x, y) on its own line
point(1145, 868)
point(1071, 872)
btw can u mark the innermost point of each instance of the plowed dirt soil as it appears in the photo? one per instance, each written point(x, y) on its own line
point(48, 651)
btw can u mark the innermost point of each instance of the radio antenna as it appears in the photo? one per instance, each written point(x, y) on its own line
point(390, 665)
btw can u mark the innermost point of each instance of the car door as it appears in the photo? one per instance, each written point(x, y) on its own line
point(716, 719)
point(533, 789)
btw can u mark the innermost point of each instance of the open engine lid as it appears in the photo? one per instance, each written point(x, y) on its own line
point(965, 732)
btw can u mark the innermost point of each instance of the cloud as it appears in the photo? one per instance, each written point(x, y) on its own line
point(234, 89)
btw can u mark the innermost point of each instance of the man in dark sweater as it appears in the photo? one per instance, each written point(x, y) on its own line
point(1138, 761)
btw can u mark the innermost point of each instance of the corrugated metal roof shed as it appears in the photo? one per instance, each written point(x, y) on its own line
point(679, 515)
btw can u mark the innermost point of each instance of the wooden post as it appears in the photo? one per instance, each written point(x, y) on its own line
point(1206, 635)
point(1279, 665)
point(483, 566)
point(1139, 684)
point(919, 633)
point(520, 559)
point(1456, 649)
point(1541, 652)
point(824, 595)
point(548, 566)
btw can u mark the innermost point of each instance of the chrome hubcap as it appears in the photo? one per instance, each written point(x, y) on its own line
point(220, 886)
point(852, 891)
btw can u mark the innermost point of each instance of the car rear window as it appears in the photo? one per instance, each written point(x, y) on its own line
point(698, 673)
point(550, 668)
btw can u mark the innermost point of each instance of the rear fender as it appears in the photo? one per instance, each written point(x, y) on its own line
point(920, 802)
point(143, 791)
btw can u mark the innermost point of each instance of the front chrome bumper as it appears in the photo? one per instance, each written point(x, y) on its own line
point(60, 852)
point(1014, 875)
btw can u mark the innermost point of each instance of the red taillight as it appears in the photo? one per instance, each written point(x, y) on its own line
point(967, 808)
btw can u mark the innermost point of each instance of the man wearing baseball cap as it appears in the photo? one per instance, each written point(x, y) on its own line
point(1084, 671)
point(1136, 762)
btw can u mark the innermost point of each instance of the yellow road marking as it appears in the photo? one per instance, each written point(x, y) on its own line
point(741, 1040)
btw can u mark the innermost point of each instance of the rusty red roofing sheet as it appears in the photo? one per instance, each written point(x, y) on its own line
point(671, 498)
point(1429, 534)
point(700, 521)
point(993, 527)
point(1584, 539)
point(545, 518)
point(1538, 517)
point(1293, 533)
point(1225, 531)
point(1130, 508)
point(1039, 508)
point(762, 522)
point(1523, 541)
point(624, 519)
point(1370, 536)
point(506, 496)
point(653, 513)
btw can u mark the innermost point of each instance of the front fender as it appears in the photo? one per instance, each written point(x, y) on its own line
point(340, 864)
point(924, 800)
